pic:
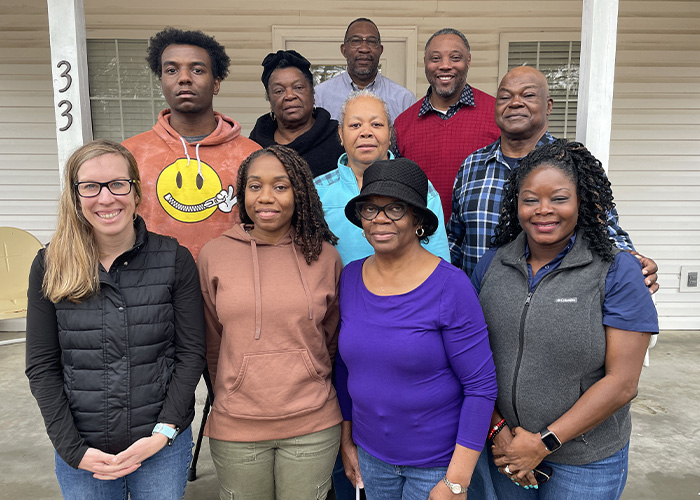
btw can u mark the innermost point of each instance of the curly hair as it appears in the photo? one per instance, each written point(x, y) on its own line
point(592, 188)
point(310, 227)
point(173, 36)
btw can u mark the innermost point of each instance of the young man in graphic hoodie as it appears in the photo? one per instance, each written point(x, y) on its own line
point(189, 160)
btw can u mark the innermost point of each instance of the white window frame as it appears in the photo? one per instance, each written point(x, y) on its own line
point(147, 101)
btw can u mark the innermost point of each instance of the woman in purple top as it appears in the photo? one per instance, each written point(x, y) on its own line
point(415, 378)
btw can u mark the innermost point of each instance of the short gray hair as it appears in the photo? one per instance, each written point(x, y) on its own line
point(447, 31)
point(356, 94)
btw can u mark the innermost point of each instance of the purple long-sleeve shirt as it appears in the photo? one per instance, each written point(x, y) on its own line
point(415, 372)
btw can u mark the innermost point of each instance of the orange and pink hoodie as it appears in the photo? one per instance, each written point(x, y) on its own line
point(188, 188)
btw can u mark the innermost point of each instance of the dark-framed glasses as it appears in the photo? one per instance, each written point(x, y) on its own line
point(90, 189)
point(356, 41)
point(394, 210)
point(543, 473)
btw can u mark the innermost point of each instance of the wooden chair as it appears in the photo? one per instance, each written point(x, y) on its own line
point(17, 251)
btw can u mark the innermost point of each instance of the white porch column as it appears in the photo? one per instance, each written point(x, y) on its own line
point(597, 75)
point(71, 92)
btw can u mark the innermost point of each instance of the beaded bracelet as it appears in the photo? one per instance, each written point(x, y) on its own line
point(496, 429)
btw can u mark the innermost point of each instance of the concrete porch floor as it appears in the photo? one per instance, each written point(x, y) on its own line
point(664, 452)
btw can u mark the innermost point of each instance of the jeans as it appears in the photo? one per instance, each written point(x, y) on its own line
point(384, 481)
point(296, 468)
point(160, 477)
point(481, 486)
point(601, 480)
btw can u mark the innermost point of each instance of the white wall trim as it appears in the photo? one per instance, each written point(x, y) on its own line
point(71, 89)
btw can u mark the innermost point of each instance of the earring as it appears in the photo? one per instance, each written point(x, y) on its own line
point(363, 234)
point(420, 231)
point(272, 115)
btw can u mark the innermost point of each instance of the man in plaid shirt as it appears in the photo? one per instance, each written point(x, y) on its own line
point(522, 109)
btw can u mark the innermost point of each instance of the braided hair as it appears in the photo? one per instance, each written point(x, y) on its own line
point(310, 227)
point(592, 188)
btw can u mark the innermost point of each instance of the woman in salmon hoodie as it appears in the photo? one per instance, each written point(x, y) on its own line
point(270, 292)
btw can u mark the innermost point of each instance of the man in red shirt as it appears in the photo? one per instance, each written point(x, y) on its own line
point(453, 119)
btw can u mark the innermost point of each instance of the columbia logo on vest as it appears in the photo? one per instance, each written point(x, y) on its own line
point(571, 300)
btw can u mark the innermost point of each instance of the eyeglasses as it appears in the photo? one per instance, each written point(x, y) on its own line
point(356, 41)
point(394, 211)
point(90, 189)
point(543, 473)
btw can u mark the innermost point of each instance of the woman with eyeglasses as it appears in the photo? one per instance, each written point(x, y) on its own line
point(115, 337)
point(366, 133)
point(569, 320)
point(416, 381)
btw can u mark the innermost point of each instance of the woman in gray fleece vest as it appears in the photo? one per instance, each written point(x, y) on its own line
point(569, 320)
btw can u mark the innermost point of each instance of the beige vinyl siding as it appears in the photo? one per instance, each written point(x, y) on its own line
point(655, 150)
point(29, 184)
point(655, 143)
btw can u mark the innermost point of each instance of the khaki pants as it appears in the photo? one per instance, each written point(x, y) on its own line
point(297, 468)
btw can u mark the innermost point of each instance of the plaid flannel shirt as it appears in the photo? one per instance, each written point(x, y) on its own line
point(476, 205)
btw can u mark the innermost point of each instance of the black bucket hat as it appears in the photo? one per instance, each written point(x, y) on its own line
point(402, 179)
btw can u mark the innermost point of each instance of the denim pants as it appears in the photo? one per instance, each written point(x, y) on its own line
point(481, 485)
point(384, 481)
point(601, 480)
point(160, 477)
point(296, 468)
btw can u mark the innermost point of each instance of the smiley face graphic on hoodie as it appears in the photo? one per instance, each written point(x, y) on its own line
point(188, 188)
point(191, 191)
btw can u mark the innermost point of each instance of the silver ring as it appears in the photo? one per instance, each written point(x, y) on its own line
point(507, 470)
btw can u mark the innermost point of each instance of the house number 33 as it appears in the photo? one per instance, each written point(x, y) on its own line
point(67, 103)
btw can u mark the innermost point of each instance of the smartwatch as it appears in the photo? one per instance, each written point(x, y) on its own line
point(550, 440)
point(167, 431)
point(454, 487)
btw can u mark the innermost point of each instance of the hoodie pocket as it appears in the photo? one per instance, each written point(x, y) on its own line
point(275, 384)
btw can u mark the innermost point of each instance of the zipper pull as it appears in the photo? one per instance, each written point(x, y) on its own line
point(527, 300)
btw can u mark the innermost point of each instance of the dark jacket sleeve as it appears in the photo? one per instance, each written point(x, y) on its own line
point(44, 369)
point(190, 347)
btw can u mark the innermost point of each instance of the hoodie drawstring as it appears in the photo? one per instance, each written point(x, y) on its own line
point(304, 283)
point(258, 294)
point(187, 154)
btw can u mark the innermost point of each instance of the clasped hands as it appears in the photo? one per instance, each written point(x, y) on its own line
point(521, 451)
point(107, 466)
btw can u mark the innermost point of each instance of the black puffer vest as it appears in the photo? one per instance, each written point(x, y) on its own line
point(119, 346)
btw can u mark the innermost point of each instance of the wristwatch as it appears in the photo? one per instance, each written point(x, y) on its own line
point(454, 487)
point(550, 440)
point(167, 431)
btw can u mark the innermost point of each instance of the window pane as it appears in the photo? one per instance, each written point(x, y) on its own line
point(103, 68)
point(125, 96)
point(134, 72)
point(106, 119)
point(559, 61)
